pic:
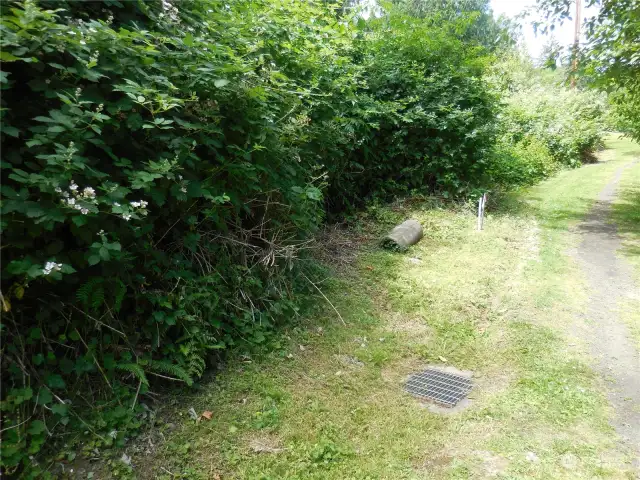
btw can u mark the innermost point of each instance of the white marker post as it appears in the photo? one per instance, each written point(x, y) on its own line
point(481, 203)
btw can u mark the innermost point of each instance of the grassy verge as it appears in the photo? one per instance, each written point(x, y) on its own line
point(327, 403)
point(626, 215)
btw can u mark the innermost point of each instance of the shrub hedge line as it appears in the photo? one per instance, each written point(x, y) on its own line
point(544, 125)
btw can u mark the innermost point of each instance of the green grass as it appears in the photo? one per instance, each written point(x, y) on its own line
point(328, 402)
point(626, 215)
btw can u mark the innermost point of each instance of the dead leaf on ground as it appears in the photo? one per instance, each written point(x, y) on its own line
point(207, 414)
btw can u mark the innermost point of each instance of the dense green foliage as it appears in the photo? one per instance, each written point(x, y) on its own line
point(165, 165)
point(424, 118)
point(610, 57)
point(485, 29)
point(545, 125)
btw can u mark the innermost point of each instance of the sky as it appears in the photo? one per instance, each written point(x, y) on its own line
point(533, 42)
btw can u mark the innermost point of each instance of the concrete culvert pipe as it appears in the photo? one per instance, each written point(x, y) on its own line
point(407, 233)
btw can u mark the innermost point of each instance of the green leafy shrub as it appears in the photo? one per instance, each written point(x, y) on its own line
point(424, 118)
point(570, 122)
point(624, 115)
point(520, 164)
point(153, 199)
point(544, 125)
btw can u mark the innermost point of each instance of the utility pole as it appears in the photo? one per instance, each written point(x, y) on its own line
point(576, 43)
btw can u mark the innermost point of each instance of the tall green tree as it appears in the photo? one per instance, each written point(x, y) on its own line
point(483, 28)
point(610, 58)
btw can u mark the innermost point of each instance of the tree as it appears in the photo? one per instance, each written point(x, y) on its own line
point(483, 29)
point(551, 54)
point(610, 58)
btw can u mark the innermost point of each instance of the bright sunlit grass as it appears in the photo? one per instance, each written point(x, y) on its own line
point(626, 215)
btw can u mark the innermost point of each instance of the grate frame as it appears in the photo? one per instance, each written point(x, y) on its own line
point(444, 388)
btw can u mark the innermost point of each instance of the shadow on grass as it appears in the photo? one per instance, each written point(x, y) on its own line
point(617, 218)
point(558, 216)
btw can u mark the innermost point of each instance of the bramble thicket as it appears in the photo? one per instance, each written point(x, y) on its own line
point(166, 164)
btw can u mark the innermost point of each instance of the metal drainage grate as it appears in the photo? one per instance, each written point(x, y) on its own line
point(444, 388)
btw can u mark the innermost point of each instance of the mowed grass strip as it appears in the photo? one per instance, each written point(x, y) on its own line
point(626, 215)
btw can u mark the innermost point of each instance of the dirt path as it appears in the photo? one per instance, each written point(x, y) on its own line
point(610, 279)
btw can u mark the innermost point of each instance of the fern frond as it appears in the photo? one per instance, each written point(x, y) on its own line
point(134, 369)
point(197, 365)
point(83, 295)
point(91, 294)
point(97, 297)
point(171, 369)
point(194, 359)
point(120, 290)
